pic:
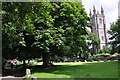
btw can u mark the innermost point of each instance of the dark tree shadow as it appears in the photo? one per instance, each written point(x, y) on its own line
point(69, 70)
point(74, 70)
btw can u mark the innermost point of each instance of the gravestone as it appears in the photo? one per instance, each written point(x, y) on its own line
point(28, 72)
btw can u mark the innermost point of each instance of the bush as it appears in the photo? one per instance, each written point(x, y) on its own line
point(106, 56)
point(116, 54)
point(103, 55)
point(106, 49)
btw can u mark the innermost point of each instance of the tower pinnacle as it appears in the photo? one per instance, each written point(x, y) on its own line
point(90, 13)
point(102, 11)
point(94, 10)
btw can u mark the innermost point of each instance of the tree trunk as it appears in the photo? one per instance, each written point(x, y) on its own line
point(24, 59)
point(24, 67)
point(46, 59)
point(24, 64)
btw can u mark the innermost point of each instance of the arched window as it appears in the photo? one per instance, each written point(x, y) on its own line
point(102, 37)
point(100, 20)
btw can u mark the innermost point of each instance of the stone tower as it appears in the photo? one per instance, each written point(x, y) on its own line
point(98, 28)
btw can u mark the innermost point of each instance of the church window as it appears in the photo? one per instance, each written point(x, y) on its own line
point(100, 20)
point(102, 37)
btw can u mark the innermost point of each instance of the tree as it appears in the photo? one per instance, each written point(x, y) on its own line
point(115, 36)
point(92, 40)
point(45, 28)
point(17, 30)
point(68, 29)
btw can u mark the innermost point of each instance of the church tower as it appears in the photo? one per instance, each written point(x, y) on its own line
point(98, 28)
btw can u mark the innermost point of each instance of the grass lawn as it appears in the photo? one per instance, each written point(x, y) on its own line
point(78, 70)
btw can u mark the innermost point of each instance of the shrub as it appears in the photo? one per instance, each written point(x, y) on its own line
point(106, 49)
point(103, 55)
point(116, 54)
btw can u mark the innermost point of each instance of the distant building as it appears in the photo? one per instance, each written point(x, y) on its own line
point(98, 28)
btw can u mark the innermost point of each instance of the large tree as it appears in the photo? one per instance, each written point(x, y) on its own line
point(18, 30)
point(45, 28)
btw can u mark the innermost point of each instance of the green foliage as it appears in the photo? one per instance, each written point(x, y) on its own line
point(94, 39)
point(47, 27)
point(115, 36)
point(116, 54)
point(106, 49)
point(103, 55)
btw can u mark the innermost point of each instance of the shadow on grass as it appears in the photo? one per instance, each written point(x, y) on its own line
point(87, 70)
point(13, 72)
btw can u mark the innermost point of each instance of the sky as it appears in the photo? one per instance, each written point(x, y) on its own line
point(110, 9)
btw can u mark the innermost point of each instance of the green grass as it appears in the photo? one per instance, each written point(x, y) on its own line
point(79, 70)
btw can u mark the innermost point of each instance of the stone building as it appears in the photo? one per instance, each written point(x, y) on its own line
point(98, 28)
